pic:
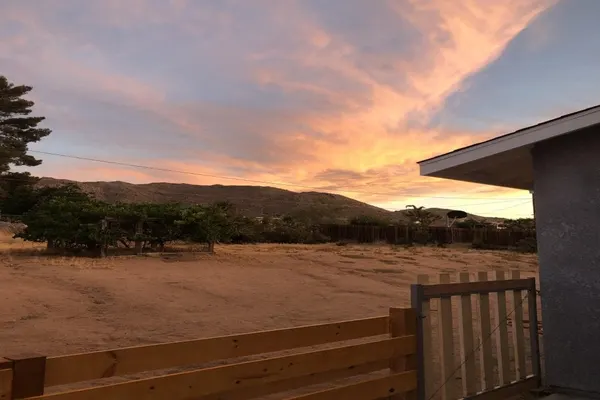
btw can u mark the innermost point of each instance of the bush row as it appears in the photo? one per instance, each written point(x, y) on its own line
point(67, 218)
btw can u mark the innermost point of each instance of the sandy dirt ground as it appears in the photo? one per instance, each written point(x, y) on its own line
point(58, 305)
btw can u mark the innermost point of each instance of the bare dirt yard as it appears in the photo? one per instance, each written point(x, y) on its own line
point(57, 305)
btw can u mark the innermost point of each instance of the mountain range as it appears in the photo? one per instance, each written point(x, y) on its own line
point(252, 201)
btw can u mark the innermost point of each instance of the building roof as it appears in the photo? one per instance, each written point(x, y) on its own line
point(506, 160)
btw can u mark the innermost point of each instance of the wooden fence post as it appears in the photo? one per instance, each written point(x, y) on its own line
point(28, 375)
point(424, 335)
point(533, 332)
point(518, 331)
point(6, 375)
point(403, 322)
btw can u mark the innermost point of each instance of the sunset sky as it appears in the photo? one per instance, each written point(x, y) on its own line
point(342, 96)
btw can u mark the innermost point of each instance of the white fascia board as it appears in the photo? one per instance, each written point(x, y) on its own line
point(525, 137)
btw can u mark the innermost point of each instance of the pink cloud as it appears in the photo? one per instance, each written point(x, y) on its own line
point(349, 120)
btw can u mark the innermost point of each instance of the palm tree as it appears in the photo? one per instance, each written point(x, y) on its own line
point(420, 216)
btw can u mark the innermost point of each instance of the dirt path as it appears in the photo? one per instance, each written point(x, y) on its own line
point(63, 305)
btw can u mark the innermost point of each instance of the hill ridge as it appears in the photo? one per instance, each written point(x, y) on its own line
point(249, 200)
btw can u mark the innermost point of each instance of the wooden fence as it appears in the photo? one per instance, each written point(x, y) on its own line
point(406, 234)
point(491, 357)
point(373, 366)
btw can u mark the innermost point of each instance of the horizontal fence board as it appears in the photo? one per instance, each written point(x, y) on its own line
point(253, 392)
point(399, 234)
point(507, 391)
point(458, 289)
point(6, 376)
point(253, 373)
point(102, 364)
point(372, 389)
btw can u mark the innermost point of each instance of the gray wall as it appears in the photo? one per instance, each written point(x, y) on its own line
point(567, 206)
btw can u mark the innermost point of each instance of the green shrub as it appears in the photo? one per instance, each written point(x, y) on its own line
point(421, 236)
point(527, 245)
point(368, 220)
point(482, 245)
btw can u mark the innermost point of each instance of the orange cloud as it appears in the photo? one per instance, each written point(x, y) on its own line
point(372, 135)
point(477, 32)
point(351, 129)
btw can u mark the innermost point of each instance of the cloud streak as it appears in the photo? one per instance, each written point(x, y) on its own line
point(316, 93)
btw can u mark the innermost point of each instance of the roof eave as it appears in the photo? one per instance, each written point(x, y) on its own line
point(526, 137)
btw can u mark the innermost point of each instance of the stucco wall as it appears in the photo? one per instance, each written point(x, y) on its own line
point(567, 205)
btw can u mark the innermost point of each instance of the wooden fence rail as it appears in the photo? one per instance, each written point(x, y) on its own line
point(489, 362)
point(392, 358)
point(400, 234)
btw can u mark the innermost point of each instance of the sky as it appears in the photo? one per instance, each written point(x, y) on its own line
point(343, 96)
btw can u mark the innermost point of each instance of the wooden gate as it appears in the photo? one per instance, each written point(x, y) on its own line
point(482, 354)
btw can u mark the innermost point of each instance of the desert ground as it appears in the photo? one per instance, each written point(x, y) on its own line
point(55, 305)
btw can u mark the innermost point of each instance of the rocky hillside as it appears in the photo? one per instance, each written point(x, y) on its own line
point(249, 200)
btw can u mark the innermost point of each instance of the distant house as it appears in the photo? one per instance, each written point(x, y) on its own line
point(559, 160)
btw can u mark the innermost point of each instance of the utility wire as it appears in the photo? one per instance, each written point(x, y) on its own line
point(512, 206)
point(483, 341)
point(169, 192)
point(269, 183)
point(249, 202)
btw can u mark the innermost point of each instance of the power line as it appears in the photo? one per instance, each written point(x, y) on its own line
point(249, 201)
point(269, 183)
point(512, 206)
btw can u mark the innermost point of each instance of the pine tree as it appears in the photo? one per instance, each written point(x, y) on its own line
point(17, 128)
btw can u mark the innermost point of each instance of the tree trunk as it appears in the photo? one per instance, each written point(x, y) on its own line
point(211, 247)
point(50, 244)
point(104, 243)
point(139, 229)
